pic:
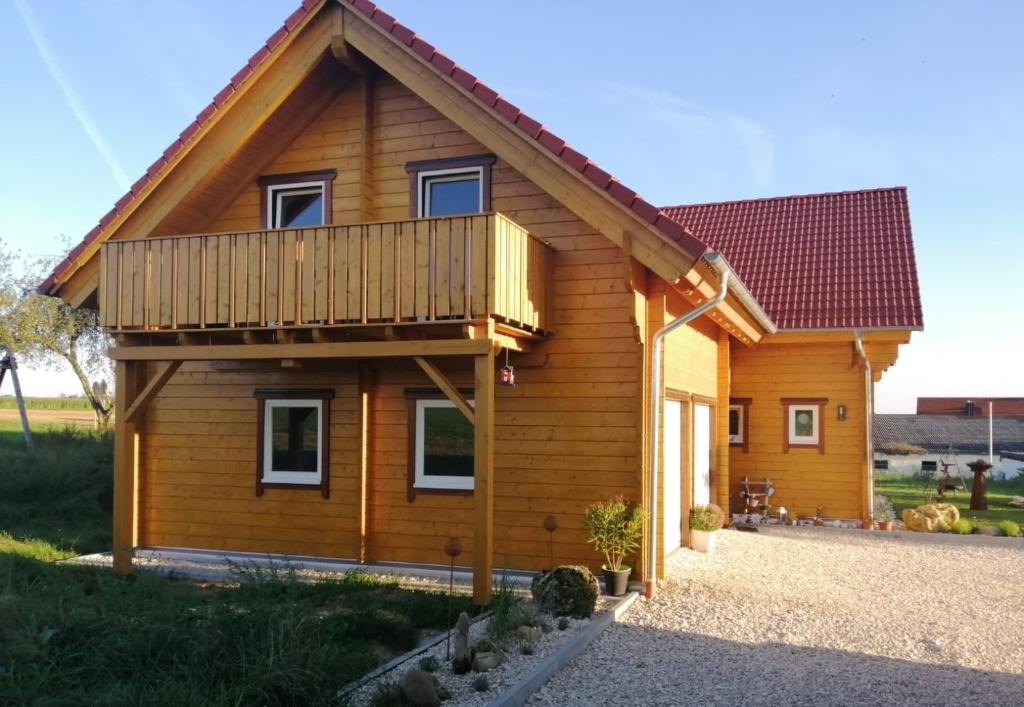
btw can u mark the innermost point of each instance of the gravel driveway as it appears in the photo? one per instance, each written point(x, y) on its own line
point(795, 616)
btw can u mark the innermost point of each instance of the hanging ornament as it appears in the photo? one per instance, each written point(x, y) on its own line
point(507, 375)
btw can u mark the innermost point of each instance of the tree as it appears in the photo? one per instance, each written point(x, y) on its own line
point(46, 331)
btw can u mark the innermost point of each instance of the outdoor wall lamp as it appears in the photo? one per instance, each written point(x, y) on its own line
point(841, 413)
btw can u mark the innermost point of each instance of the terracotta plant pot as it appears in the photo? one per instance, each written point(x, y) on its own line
point(615, 581)
point(885, 525)
point(818, 522)
point(867, 524)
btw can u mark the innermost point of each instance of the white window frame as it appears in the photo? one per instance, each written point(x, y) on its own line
point(454, 174)
point(738, 438)
point(420, 479)
point(796, 440)
point(271, 476)
point(276, 191)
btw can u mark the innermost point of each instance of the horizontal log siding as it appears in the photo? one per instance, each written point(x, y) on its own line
point(566, 435)
point(199, 467)
point(803, 478)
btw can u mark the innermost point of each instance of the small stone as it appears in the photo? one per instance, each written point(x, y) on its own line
point(486, 661)
point(421, 689)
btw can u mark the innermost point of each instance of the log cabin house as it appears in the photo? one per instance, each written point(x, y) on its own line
point(316, 289)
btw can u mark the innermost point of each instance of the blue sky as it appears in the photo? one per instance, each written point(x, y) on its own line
point(683, 101)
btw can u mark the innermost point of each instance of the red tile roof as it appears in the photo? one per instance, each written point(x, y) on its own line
point(819, 261)
point(444, 66)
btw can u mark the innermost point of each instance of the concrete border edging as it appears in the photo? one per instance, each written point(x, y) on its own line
point(519, 693)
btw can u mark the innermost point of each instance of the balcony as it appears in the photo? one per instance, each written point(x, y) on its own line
point(421, 271)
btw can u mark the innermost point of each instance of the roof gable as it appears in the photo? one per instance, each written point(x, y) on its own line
point(618, 212)
point(821, 261)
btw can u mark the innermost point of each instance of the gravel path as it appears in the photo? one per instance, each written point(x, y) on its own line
point(811, 616)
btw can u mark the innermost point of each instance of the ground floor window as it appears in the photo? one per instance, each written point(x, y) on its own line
point(804, 426)
point(738, 422)
point(441, 445)
point(293, 434)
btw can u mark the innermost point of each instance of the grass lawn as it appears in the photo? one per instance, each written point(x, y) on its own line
point(907, 492)
point(82, 636)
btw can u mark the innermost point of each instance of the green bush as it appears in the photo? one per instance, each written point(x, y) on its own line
point(430, 663)
point(706, 518)
point(962, 527)
point(507, 612)
point(481, 684)
point(566, 591)
point(615, 530)
point(563, 623)
point(1008, 528)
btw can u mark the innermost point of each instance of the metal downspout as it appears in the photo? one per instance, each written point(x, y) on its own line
point(657, 354)
point(869, 400)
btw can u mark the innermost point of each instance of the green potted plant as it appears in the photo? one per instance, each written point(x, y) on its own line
point(615, 528)
point(704, 522)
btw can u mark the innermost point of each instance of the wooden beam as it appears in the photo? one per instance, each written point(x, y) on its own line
point(446, 386)
point(126, 470)
point(547, 171)
point(367, 192)
point(365, 386)
point(627, 260)
point(138, 406)
point(483, 478)
point(346, 349)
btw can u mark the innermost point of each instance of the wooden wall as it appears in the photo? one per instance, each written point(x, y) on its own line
point(805, 478)
point(567, 435)
point(198, 461)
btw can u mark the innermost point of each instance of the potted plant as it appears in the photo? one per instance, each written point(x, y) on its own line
point(704, 521)
point(615, 529)
point(885, 514)
point(818, 522)
point(869, 522)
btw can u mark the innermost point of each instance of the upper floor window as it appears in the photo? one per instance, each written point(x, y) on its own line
point(450, 187)
point(296, 200)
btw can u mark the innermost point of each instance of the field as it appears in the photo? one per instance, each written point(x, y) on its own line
point(7, 402)
point(72, 635)
point(907, 492)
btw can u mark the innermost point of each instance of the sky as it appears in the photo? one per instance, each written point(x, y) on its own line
point(683, 101)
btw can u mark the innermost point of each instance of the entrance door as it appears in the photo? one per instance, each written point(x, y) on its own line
point(701, 455)
point(672, 477)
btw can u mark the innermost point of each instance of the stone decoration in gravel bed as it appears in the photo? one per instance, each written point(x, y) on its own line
point(817, 616)
point(516, 666)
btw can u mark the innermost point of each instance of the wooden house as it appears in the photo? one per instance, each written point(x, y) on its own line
point(316, 289)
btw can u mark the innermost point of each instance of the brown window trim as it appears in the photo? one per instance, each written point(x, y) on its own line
point(745, 431)
point(411, 396)
point(414, 168)
point(325, 396)
point(326, 176)
point(821, 403)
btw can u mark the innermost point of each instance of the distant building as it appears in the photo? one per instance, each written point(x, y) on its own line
point(971, 407)
point(907, 444)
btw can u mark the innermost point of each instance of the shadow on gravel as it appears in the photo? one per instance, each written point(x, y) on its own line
point(687, 668)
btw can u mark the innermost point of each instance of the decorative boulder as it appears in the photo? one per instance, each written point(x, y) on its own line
point(462, 658)
point(566, 591)
point(421, 689)
point(486, 661)
point(931, 518)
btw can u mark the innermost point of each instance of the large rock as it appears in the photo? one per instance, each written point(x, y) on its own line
point(931, 517)
point(421, 689)
point(486, 661)
point(462, 658)
point(566, 591)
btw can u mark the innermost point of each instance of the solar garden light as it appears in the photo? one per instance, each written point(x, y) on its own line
point(452, 548)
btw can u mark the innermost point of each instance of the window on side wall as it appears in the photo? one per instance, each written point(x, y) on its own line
point(298, 200)
point(293, 434)
point(929, 466)
point(738, 422)
point(881, 465)
point(804, 426)
point(440, 445)
point(450, 187)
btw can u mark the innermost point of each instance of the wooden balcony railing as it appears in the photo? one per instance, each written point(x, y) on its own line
point(426, 270)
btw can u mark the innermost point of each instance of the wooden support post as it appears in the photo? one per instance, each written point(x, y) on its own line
point(483, 478)
point(126, 469)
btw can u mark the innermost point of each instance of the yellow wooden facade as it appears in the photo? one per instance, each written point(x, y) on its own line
point(551, 279)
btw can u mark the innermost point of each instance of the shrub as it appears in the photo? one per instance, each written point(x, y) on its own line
point(883, 508)
point(962, 527)
point(615, 530)
point(706, 518)
point(1008, 528)
point(481, 684)
point(430, 663)
point(526, 648)
point(566, 591)
point(388, 694)
point(563, 623)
